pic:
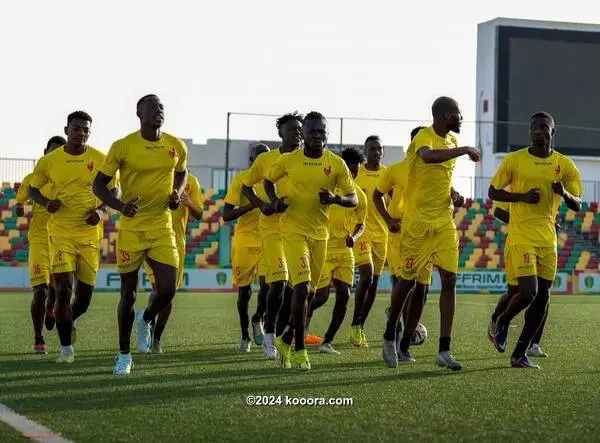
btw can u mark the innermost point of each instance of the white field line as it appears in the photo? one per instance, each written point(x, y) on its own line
point(28, 428)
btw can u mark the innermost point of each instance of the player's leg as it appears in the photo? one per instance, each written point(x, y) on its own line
point(534, 349)
point(399, 296)
point(278, 296)
point(88, 263)
point(37, 310)
point(342, 296)
point(379, 252)
point(245, 260)
point(39, 274)
point(322, 293)
point(64, 315)
point(49, 319)
point(258, 318)
point(504, 300)
point(363, 256)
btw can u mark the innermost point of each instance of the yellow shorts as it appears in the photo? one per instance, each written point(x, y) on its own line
point(39, 264)
point(180, 269)
point(275, 266)
point(305, 258)
point(134, 246)
point(395, 263)
point(526, 260)
point(339, 265)
point(511, 280)
point(246, 262)
point(368, 251)
point(423, 245)
point(80, 256)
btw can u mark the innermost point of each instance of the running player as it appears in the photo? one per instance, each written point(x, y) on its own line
point(371, 249)
point(74, 230)
point(44, 295)
point(539, 177)
point(429, 235)
point(312, 174)
point(246, 252)
point(279, 297)
point(345, 227)
point(192, 202)
point(153, 171)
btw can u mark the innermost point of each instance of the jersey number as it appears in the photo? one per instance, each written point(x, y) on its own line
point(303, 262)
point(59, 255)
point(124, 256)
point(281, 262)
point(410, 262)
point(37, 269)
point(526, 258)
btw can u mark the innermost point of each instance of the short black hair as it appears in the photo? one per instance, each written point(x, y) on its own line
point(371, 138)
point(353, 156)
point(80, 115)
point(56, 140)
point(542, 114)
point(415, 131)
point(260, 147)
point(442, 105)
point(288, 117)
point(143, 99)
point(314, 115)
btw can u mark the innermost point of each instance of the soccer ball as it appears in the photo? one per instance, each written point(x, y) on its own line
point(420, 335)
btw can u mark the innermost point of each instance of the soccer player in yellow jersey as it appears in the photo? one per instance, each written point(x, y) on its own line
point(62, 183)
point(428, 236)
point(246, 252)
point(192, 202)
point(312, 174)
point(346, 225)
point(371, 249)
point(44, 295)
point(289, 127)
point(539, 177)
point(153, 171)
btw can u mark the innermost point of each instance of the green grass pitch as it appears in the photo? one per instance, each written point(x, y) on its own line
point(197, 390)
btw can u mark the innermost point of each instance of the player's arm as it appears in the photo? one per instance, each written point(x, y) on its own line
point(345, 183)
point(504, 176)
point(255, 175)
point(385, 185)
point(502, 215)
point(457, 199)
point(232, 209)
point(361, 218)
point(429, 155)
point(570, 190)
point(39, 179)
point(22, 197)
point(276, 173)
point(108, 197)
point(194, 200)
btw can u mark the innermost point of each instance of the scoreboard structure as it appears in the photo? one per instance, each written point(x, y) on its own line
point(524, 66)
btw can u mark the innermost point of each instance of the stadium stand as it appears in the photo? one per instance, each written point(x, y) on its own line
point(481, 236)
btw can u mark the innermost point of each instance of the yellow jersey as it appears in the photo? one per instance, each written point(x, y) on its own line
point(534, 224)
point(395, 179)
point(69, 179)
point(38, 225)
point(376, 228)
point(256, 175)
point(429, 200)
point(180, 215)
point(247, 232)
point(305, 177)
point(342, 221)
point(146, 170)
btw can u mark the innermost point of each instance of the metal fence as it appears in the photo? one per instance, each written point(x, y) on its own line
point(14, 169)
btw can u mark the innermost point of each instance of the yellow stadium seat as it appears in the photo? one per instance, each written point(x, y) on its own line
point(570, 216)
point(111, 249)
point(113, 237)
point(104, 246)
point(563, 235)
point(200, 260)
point(6, 185)
point(214, 227)
point(1, 226)
point(490, 234)
point(504, 229)
point(475, 205)
point(470, 264)
point(4, 243)
point(494, 246)
point(6, 214)
point(12, 202)
point(13, 233)
point(22, 221)
point(492, 265)
point(196, 232)
point(561, 242)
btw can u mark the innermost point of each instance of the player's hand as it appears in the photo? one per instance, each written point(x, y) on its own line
point(326, 197)
point(394, 225)
point(532, 196)
point(130, 209)
point(93, 217)
point(19, 210)
point(184, 199)
point(53, 205)
point(474, 154)
point(350, 241)
point(267, 209)
point(174, 200)
point(280, 205)
point(558, 188)
point(457, 200)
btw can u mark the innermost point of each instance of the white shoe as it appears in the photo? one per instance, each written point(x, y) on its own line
point(123, 364)
point(447, 360)
point(143, 332)
point(67, 355)
point(327, 348)
point(269, 347)
point(536, 351)
point(245, 346)
point(258, 333)
point(390, 355)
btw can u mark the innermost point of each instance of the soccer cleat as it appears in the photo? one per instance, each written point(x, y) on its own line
point(49, 320)
point(269, 347)
point(156, 347)
point(405, 357)
point(123, 364)
point(355, 335)
point(285, 353)
point(390, 356)
point(301, 358)
point(447, 360)
point(245, 346)
point(363, 339)
point(535, 351)
point(65, 357)
point(258, 333)
point(522, 362)
point(40, 348)
point(498, 337)
point(327, 348)
point(143, 332)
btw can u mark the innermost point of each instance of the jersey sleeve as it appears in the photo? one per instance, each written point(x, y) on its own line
point(572, 179)
point(112, 162)
point(256, 173)
point(504, 174)
point(344, 181)
point(361, 209)
point(23, 192)
point(279, 169)
point(386, 181)
point(39, 177)
point(182, 162)
point(234, 194)
point(196, 192)
point(422, 140)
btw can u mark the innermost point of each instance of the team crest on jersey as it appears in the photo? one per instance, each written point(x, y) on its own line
point(172, 152)
point(557, 170)
point(90, 166)
point(187, 187)
point(327, 170)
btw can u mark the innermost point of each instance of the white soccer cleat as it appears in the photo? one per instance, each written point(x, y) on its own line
point(269, 347)
point(536, 351)
point(390, 355)
point(327, 348)
point(258, 332)
point(245, 346)
point(143, 332)
point(123, 364)
point(67, 355)
point(447, 360)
